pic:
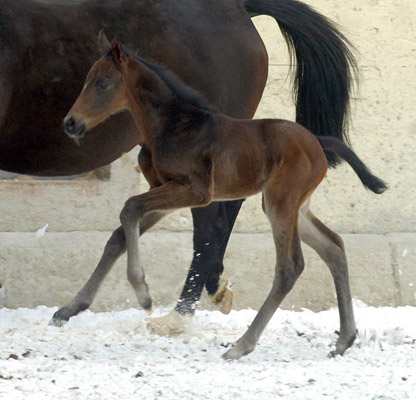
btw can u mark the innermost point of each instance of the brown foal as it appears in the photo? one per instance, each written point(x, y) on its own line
point(193, 155)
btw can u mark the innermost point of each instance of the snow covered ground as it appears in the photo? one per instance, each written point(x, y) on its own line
point(113, 356)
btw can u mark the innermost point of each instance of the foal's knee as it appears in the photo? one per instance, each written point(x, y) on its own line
point(130, 212)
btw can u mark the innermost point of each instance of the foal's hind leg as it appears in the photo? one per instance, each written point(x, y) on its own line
point(114, 248)
point(289, 265)
point(330, 248)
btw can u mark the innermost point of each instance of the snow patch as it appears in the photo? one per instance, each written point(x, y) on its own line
point(112, 355)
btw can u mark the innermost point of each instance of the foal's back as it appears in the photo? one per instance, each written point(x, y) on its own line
point(248, 153)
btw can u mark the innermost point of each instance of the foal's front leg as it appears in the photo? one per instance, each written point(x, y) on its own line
point(170, 196)
point(115, 247)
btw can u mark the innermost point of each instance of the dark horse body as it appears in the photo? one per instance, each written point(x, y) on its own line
point(192, 155)
point(47, 47)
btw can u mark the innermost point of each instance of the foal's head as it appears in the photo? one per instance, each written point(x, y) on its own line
point(104, 92)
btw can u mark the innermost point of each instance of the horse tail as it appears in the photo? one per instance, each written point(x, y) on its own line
point(335, 147)
point(325, 66)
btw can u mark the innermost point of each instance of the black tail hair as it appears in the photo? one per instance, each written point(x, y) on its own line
point(325, 66)
point(335, 147)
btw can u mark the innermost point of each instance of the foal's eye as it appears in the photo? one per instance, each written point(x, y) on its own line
point(103, 84)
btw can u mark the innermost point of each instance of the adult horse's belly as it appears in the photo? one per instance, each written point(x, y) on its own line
point(212, 46)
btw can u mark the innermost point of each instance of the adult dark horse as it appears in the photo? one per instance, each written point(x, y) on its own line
point(47, 47)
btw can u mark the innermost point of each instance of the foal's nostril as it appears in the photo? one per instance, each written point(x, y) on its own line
point(74, 128)
point(69, 125)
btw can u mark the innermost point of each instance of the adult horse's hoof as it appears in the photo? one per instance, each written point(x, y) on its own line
point(171, 324)
point(223, 299)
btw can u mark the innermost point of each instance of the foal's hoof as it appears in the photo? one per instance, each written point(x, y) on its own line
point(145, 301)
point(150, 310)
point(171, 324)
point(243, 347)
point(62, 316)
point(223, 299)
point(236, 352)
point(57, 321)
point(343, 344)
point(148, 306)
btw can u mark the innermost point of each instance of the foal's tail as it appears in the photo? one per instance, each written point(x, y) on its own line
point(335, 147)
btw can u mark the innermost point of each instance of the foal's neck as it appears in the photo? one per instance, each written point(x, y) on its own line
point(146, 94)
point(157, 109)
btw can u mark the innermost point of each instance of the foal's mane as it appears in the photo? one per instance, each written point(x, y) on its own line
point(184, 92)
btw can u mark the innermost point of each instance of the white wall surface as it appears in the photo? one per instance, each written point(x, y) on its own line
point(383, 133)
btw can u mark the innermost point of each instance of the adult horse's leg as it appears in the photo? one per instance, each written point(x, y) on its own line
point(4, 100)
point(330, 248)
point(232, 209)
point(115, 247)
point(210, 241)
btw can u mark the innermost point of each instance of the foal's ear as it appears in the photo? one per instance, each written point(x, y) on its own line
point(119, 55)
point(103, 44)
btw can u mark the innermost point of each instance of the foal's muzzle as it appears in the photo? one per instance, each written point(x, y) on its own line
point(73, 129)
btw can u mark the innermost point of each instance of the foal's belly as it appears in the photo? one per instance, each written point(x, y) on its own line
point(238, 178)
point(241, 164)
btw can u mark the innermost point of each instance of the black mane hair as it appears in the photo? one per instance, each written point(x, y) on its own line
point(184, 92)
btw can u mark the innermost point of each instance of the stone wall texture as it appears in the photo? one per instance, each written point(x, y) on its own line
point(379, 231)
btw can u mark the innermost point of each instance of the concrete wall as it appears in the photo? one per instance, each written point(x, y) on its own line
point(379, 230)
